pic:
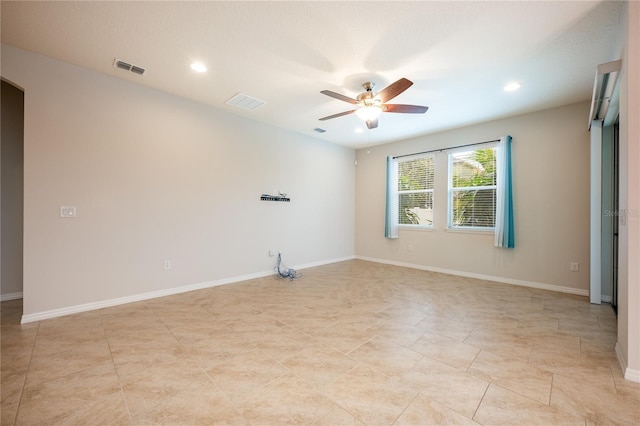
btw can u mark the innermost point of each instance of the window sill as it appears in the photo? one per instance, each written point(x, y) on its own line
point(487, 231)
point(416, 228)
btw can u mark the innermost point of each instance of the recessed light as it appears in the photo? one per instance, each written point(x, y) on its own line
point(359, 130)
point(198, 67)
point(512, 87)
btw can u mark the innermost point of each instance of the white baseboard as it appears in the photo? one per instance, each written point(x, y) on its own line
point(323, 262)
point(54, 313)
point(503, 280)
point(621, 360)
point(628, 373)
point(10, 296)
point(632, 375)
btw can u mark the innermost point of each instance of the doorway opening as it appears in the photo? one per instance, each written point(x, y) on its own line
point(12, 186)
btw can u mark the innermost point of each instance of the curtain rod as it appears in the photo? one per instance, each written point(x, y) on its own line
point(443, 149)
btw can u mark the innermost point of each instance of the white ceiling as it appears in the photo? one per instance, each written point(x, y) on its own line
point(458, 54)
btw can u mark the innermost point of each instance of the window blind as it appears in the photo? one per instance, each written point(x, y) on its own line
point(415, 191)
point(472, 188)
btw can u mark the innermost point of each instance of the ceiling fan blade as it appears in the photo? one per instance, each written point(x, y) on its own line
point(406, 109)
point(340, 114)
point(394, 89)
point(372, 124)
point(339, 96)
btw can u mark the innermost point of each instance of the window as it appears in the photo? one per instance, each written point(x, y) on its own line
point(415, 191)
point(472, 188)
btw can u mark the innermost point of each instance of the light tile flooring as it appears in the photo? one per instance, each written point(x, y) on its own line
point(348, 343)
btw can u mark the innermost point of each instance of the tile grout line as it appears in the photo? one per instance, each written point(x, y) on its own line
point(24, 384)
point(405, 408)
point(472, 361)
point(113, 361)
point(480, 402)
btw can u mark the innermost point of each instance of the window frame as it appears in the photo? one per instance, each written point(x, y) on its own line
point(417, 191)
point(451, 189)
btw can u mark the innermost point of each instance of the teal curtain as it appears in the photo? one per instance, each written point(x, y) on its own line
point(505, 233)
point(391, 209)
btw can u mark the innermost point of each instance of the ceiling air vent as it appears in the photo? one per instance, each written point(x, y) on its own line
point(319, 130)
point(129, 67)
point(137, 70)
point(245, 102)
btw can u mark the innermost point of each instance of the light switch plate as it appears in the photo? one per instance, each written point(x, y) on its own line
point(68, 211)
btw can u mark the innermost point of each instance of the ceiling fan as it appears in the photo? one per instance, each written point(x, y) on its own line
point(372, 104)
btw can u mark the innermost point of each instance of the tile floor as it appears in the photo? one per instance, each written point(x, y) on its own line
point(348, 343)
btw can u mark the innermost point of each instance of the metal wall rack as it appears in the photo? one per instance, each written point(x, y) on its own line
point(274, 198)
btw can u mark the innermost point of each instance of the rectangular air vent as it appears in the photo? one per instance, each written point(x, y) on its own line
point(129, 67)
point(245, 102)
point(137, 70)
point(319, 130)
point(123, 65)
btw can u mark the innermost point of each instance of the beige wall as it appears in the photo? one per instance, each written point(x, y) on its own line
point(551, 202)
point(628, 347)
point(155, 177)
point(12, 172)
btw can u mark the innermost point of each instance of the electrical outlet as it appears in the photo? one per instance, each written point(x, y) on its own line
point(409, 247)
point(272, 252)
point(167, 265)
point(574, 266)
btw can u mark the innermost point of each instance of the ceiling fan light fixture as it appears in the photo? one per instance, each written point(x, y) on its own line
point(369, 104)
point(369, 113)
